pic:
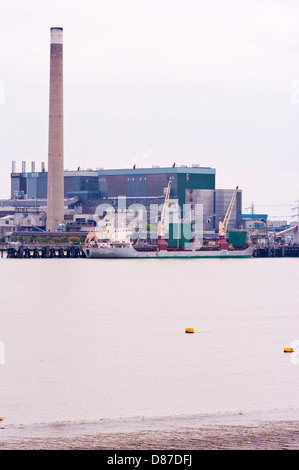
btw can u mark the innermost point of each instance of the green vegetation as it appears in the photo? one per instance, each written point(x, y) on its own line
point(39, 239)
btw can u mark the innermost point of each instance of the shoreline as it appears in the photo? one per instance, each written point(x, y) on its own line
point(266, 436)
point(210, 433)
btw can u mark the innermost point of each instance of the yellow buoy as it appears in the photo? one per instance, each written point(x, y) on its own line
point(189, 330)
point(288, 349)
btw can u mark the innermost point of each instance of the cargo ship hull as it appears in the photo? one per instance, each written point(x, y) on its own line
point(133, 252)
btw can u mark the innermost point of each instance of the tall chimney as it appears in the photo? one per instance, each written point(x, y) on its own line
point(55, 194)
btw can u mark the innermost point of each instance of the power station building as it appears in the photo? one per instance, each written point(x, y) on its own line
point(146, 186)
point(84, 190)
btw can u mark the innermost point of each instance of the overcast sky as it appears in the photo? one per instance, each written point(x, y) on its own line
point(153, 82)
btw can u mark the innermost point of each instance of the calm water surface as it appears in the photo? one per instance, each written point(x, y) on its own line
point(87, 340)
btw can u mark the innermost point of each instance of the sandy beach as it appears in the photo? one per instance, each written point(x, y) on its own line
point(279, 435)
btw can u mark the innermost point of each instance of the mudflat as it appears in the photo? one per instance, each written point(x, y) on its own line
point(278, 435)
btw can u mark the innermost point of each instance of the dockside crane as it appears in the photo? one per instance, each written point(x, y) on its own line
point(288, 230)
point(222, 228)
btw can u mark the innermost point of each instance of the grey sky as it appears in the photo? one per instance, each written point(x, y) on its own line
point(159, 81)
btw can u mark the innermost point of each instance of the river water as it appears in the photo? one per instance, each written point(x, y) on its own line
point(103, 341)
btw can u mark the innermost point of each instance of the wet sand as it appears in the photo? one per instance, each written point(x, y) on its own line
point(279, 435)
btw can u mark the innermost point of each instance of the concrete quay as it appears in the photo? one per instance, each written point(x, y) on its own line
point(274, 251)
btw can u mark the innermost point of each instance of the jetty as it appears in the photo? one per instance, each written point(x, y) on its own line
point(277, 251)
point(42, 251)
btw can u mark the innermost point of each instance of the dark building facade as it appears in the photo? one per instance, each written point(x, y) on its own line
point(143, 185)
point(146, 186)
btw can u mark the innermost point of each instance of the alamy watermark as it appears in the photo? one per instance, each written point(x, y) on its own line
point(295, 354)
point(295, 92)
point(144, 223)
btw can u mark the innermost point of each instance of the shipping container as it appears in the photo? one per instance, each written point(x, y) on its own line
point(237, 239)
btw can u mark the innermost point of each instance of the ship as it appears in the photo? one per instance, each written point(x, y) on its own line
point(122, 250)
point(117, 243)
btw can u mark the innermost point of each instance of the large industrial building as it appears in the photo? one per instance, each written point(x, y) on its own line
point(146, 186)
point(53, 198)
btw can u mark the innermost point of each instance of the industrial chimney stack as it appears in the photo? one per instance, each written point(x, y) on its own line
point(55, 194)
